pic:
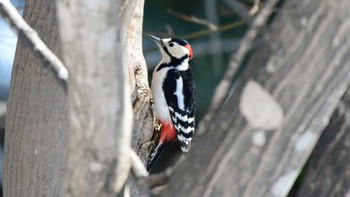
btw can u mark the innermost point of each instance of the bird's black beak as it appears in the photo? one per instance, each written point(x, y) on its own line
point(156, 40)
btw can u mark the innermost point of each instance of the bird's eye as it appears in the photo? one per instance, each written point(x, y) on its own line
point(171, 44)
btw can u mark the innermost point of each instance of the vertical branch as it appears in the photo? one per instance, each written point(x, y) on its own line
point(131, 20)
point(100, 107)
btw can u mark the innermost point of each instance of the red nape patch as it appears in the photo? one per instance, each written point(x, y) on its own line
point(190, 50)
point(168, 133)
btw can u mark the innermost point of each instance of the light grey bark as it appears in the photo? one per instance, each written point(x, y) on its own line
point(259, 141)
point(36, 124)
point(99, 98)
point(131, 21)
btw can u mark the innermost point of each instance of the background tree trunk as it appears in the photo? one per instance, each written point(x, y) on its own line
point(36, 124)
point(328, 170)
point(261, 138)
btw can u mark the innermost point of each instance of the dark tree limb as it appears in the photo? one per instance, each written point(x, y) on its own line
point(327, 172)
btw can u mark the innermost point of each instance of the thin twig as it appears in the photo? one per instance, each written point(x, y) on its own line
point(140, 173)
point(252, 13)
point(144, 180)
point(137, 166)
point(193, 19)
point(236, 59)
point(220, 29)
point(255, 8)
point(237, 7)
point(169, 30)
point(50, 61)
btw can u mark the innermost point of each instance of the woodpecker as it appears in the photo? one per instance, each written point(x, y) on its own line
point(174, 93)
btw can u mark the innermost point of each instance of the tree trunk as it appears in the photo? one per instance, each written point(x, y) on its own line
point(131, 21)
point(327, 172)
point(99, 98)
point(261, 138)
point(36, 124)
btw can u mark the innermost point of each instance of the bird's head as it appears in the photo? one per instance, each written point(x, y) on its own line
point(173, 47)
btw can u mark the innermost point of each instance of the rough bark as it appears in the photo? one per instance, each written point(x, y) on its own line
point(261, 138)
point(131, 21)
point(99, 98)
point(36, 124)
point(328, 171)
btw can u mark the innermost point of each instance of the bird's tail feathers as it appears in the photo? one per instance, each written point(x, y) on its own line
point(155, 155)
point(185, 145)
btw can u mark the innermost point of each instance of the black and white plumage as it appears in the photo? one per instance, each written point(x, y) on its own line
point(174, 92)
point(179, 91)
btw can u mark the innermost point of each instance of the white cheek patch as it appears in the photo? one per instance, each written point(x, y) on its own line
point(177, 50)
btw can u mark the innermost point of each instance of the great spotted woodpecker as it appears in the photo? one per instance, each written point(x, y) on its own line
point(174, 93)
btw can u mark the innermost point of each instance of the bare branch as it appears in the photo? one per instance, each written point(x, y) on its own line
point(50, 61)
point(236, 59)
point(204, 32)
point(140, 174)
point(137, 166)
point(193, 19)
point(220, 29)
point(237, 7)
point(255, 8)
